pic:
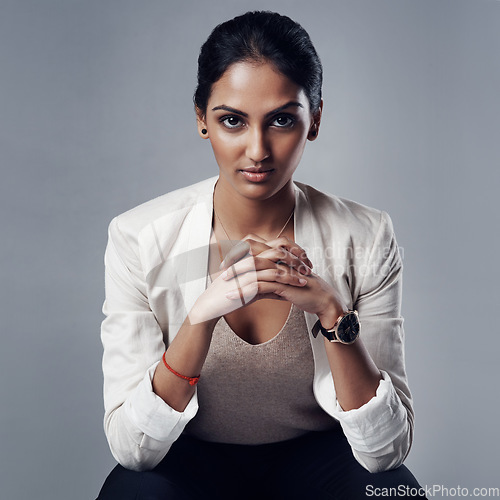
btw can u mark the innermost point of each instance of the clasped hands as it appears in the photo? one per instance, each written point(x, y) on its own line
point(256, 269)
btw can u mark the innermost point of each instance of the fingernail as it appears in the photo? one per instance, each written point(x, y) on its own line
point(232, 295)
point(302, 281)
point(222, 264)
point(224, 275)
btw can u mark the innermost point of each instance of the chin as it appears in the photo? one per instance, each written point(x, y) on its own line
point(261, 191)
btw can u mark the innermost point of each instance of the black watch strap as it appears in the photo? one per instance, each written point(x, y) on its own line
point(316, 328)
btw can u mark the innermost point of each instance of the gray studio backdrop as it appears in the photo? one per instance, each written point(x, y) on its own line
point(96, 117)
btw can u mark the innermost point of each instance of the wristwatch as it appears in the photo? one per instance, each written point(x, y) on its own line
point(345, 330)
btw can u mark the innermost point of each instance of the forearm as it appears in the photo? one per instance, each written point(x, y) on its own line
point(355, 375)
point(186, 355)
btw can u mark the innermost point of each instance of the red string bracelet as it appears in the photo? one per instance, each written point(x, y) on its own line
point(191, 380)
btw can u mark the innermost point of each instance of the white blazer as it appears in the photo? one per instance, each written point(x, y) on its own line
point(156, 268)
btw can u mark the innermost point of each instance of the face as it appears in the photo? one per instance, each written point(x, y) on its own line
point(258, 122)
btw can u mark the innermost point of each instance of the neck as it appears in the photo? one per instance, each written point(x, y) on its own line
point(241, 216)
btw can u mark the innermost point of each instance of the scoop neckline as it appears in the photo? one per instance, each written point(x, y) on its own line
point(271, 340)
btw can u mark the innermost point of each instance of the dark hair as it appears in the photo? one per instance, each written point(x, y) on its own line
point(260, 36)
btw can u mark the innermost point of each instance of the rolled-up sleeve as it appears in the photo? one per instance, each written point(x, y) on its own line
point(380, 432)
point(139, 425)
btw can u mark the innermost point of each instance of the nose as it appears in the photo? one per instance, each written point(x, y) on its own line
point(257, 146)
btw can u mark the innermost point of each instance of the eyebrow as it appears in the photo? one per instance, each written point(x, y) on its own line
point(270, 113)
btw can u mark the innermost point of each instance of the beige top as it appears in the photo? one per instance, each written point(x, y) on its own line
point(254, 394)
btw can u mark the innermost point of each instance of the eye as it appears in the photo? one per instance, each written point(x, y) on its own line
point(283, 121)
point(231, 121)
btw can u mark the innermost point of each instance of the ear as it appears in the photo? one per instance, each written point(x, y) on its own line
point(201, 123)
point(315, 123)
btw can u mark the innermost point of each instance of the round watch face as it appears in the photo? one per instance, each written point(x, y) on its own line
point(348, 329)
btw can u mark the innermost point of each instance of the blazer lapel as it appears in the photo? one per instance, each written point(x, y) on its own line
point(197, 230)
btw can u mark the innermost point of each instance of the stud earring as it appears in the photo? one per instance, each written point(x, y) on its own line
point(204, 131)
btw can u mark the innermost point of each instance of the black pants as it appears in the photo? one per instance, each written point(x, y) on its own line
point(317, 466)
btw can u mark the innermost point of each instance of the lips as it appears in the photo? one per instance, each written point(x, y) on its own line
point(256, 174)
point(257, 170)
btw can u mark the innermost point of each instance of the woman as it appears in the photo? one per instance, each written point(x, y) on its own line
point(253, 344)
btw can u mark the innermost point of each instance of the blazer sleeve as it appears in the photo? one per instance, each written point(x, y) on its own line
point(139, 425)
point(381, 431)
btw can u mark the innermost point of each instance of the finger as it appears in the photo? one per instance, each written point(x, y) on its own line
point(292, 247)
point(281, 255)
point(247, 245)
point(243, 266)
point(280, 273)
point(235, 254)
point(272, 259)
point(247, 287)
point(258, 245)
point(254, 237)
point(248, 264)
point(258, 290)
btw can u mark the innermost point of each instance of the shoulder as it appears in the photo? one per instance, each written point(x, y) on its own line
point(174, 206)
point(341, 215)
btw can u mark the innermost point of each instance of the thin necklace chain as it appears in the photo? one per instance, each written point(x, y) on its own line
point(279, 234)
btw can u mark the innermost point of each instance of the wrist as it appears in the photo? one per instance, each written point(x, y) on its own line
point(329, 316)
point(200, 321)
point(203, 315)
